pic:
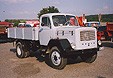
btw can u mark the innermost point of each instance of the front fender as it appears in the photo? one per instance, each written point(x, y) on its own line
point(62, 44)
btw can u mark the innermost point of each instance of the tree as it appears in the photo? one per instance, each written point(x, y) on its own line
point(16, 23)
point(51, 9)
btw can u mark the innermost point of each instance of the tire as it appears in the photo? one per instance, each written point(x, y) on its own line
point(56, 59)
point(21, 50)
point(26, 50)
point(27, 54)
point(89, 58)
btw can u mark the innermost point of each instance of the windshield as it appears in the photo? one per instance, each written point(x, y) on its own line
point(62, 20)
point(59, 20)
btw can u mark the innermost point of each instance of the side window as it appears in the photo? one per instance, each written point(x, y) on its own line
point(74, 20)
point(46, 21)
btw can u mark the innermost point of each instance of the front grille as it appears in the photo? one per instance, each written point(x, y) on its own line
point(87, 35)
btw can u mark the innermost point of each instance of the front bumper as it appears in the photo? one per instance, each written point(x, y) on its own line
point(80, 52)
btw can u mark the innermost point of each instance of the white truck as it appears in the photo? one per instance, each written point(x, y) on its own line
point(56, 39)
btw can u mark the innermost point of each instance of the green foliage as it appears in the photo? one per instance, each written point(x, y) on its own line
point(13, 21)
point(16, 23)
point(92, 18)
point(51, 9)
point(105, 18)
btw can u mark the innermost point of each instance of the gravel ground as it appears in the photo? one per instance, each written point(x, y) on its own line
point(32, 67)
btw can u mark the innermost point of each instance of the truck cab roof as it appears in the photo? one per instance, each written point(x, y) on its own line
point(51, 14)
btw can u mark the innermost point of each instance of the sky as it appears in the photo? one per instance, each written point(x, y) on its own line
point(28, 9)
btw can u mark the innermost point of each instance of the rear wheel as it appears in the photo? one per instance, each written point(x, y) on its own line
point(56, 59)
point(89, 58)
point(21, 50)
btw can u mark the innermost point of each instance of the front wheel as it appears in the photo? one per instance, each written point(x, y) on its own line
point(56, 59)
point(89, 58)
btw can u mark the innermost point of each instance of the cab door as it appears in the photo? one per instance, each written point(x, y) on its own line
point(45, 31)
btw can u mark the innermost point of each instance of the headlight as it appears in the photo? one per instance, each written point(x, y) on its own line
point(99, 42)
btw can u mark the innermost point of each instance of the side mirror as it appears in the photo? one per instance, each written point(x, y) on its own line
point(42, 24)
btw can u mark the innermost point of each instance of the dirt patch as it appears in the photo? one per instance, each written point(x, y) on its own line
point(26, 69)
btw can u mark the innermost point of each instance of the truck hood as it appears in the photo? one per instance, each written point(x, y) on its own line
point(80, 37)
point(74, 28)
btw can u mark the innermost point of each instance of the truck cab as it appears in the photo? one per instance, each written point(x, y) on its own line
point(58, 26)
